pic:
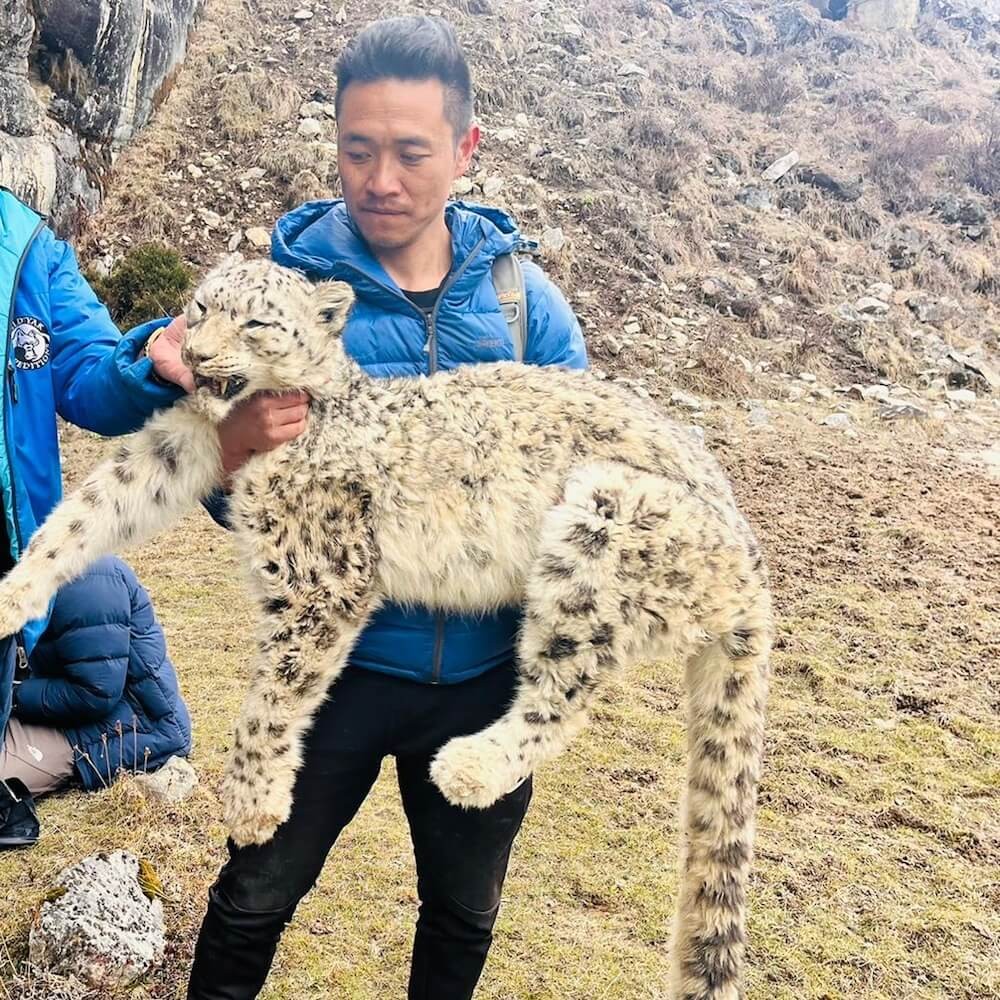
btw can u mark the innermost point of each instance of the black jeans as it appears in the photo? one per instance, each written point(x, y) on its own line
point(461, 855)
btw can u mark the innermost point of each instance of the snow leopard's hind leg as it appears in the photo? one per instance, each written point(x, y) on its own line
point(313, 601)
point(636, 566)
point(150, 481)
point(582, 620)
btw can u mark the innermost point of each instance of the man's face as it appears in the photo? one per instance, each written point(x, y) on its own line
point(398, 155)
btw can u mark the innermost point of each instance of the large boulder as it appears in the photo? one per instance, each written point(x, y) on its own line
point(98, 924)
point(108, 60)
point(105, 64)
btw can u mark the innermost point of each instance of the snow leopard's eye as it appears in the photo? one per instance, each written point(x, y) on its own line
point(254, 324)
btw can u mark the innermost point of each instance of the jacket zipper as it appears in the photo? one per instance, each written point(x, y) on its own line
point(432, 360)
point(16, 539)
point(430, 322)
point(432, 365)
point(13, 388)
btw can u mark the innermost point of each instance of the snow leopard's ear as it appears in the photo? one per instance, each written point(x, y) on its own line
point(333, 301)
point(224, 264)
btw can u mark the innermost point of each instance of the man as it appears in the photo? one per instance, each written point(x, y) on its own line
point(421, 271)
point(62, 354)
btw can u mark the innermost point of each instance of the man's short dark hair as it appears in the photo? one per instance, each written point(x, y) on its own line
point(411, 48)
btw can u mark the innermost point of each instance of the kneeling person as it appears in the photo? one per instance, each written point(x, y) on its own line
point(97, 696)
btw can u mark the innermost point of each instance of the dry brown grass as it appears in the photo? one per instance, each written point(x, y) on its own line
point(251, 100)
point(890, 351)
point(981, 157)
point(286, 160)
point(901, 162)
point(717, 372)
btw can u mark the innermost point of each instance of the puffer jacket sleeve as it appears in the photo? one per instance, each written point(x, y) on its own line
point(102, 381)
point(554, 334)
point(80, 665)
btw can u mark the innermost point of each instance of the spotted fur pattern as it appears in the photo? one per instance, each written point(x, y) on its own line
point(487, 486)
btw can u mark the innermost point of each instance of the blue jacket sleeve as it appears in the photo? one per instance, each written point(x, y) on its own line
point(81, 663)
point(554, 334)
point(102, 381)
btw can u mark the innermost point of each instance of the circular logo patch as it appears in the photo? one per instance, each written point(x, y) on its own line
point(31, 343)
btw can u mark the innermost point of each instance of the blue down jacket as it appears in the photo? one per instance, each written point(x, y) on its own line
point(100, 673)
point(60, 353)
point(388, 336)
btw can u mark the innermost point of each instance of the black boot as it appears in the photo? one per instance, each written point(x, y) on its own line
point(18, 818)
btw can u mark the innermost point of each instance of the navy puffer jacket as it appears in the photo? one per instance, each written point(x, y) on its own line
point(100, 670)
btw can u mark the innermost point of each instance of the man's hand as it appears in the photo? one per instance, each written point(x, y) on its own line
point(165, 353)
point(261, 423)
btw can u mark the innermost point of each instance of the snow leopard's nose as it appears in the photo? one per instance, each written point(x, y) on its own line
point(192, 357)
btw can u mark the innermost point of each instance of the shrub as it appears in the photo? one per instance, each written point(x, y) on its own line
point(982, 160)
point(148, 282)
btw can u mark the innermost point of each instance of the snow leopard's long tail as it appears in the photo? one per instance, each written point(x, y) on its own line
point(150, 481)
point(726, 689)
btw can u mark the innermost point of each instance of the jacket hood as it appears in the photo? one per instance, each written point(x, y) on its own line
point(321, 239)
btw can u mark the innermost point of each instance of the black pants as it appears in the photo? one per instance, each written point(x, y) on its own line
point(461, 855)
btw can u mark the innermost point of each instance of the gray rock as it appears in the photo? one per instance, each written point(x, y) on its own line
point(724, 296)
point(685, 400)
point(259, 236)
point(838, 189)
point(928, 309)
point(462, 186)
point(901, 411)
point(756, 198)
point(553, 239)
point(780, 167)
point(975, 365)
point(839, 421)
point(108, 59)
point(883, 15)
point(794, 24)
point(961, 397)
point(492, 186)
point(102, 930)
point(104, 64)
point(868, 305)
point(758, 417)
point(310, 128)
point(174, 782)
point(631, 69)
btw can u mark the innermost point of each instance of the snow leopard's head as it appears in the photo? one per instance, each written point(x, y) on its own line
point(254, 325)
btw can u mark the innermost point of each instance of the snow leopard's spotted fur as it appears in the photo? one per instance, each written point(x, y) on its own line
point(482, 487)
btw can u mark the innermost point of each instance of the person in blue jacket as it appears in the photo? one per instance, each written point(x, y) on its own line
point(99, 696)
point(420, 268)
point(61, 355)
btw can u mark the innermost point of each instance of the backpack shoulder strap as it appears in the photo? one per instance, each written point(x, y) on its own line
point(508, 280)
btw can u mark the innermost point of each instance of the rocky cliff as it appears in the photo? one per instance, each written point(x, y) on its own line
point(78, 79)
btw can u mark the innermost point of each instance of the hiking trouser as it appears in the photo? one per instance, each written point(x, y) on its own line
point(461, 854)
point(39, 756)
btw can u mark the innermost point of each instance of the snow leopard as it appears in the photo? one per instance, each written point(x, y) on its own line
point(486, 486)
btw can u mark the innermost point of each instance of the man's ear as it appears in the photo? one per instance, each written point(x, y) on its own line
point(333, 302)
point(467, 146)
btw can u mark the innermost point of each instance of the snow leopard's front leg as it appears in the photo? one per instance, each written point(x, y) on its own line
point(150, 481)
point(314, 601)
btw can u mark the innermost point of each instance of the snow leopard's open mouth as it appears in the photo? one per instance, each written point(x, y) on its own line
point(224, 388)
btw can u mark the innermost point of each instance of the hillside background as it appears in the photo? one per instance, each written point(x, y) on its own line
point(834, 332)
